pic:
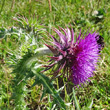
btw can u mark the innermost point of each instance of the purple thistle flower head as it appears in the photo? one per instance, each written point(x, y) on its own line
point(76, 57)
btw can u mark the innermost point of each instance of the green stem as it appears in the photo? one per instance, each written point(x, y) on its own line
point(43, 51)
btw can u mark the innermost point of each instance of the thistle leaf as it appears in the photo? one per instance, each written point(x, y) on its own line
point(48, 88)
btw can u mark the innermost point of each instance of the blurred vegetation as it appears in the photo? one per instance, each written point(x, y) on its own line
point(23, 27)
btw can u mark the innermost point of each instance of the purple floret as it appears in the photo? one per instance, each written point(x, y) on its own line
point(86, 59)
point(77, 59)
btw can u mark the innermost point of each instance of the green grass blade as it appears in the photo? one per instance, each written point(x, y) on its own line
point(76, 101)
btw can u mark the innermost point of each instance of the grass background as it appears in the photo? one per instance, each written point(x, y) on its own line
point(81, 14)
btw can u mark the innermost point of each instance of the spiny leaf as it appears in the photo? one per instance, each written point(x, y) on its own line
point(25, 68)
point(48, 87)
point(22, 72)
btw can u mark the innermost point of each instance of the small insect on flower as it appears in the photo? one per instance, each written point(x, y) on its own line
point(100, 41)
point(74, 57)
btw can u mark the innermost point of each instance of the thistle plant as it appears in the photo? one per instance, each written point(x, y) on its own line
point(77, 59)
point(74, 58)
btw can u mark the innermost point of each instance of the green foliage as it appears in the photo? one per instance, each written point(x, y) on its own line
point(22, 27)
point(87, 107)
point(48, 88)
point(24, 70)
